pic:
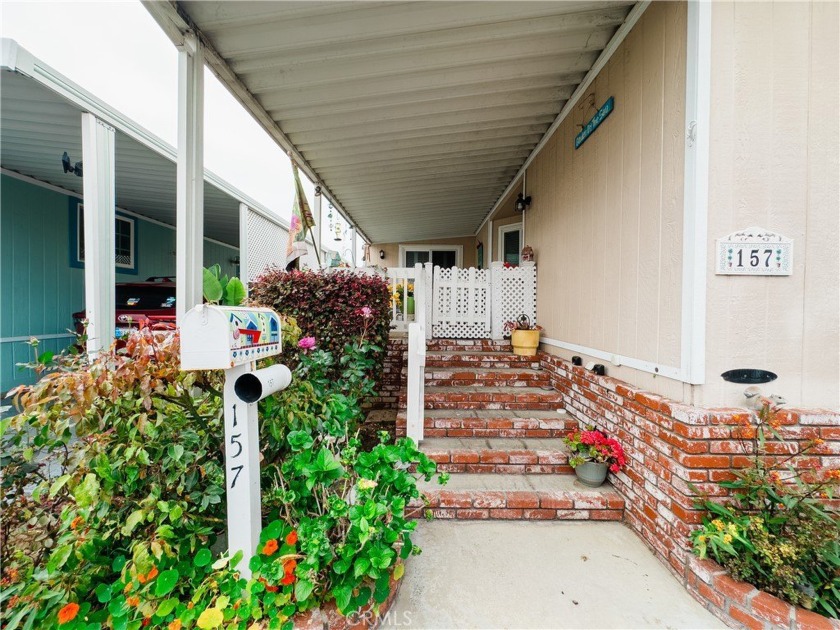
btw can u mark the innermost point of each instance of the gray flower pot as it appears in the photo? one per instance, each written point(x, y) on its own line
point(591, 474)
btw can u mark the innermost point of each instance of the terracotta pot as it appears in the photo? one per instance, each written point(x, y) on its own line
point(525, 342)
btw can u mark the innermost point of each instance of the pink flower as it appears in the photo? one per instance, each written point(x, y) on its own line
point(307, 343)
point(365, 312)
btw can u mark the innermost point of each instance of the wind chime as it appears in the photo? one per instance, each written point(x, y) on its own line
point(335, 226)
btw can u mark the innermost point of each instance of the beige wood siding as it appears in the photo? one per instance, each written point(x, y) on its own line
point(606, 219)
point(774, 164)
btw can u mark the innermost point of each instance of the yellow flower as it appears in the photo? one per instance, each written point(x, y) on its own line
point(367, 484)
point(732, 528)
point(701, 538)
point(727, 538)
point(718, 524)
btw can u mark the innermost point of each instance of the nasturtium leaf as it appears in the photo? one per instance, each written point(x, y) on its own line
point(103, 593)
point(222, 602)
point(203, 558)
point(399, 571)
point(210, 618)
point(166, 581)
point(303, 589)
point(166, 607)
point(255, 564)
point(117, 606)
point(118, 563)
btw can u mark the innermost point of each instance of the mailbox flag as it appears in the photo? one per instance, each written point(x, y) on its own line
point(302, 220)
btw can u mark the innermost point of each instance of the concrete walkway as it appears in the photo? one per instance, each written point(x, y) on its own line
point(496, 574)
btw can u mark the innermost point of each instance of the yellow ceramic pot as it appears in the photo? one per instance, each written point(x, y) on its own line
point(525, 342)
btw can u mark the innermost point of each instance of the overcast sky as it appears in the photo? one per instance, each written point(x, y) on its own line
point(115, 50)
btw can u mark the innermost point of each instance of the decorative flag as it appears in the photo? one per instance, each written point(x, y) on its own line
point(302, 220)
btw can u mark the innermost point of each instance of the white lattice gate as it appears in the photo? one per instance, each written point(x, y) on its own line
point(461, 307)
point(514, 294)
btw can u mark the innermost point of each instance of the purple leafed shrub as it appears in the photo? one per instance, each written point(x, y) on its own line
point(329, 307)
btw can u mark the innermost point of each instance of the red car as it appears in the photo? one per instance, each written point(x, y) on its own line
point(140, 304)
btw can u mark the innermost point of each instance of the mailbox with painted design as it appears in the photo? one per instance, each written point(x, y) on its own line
point(221, 337)
point(233, 339)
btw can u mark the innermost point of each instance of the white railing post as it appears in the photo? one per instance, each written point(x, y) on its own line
point(420, 295)
point(497, 321)
point(415, 406)
point(428, 281)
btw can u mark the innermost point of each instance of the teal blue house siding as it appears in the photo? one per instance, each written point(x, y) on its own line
point(40, 289)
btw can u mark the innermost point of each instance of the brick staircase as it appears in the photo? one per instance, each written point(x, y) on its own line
point(492, 421)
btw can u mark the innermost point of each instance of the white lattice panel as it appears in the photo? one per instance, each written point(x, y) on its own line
point(266, 245)
point(514, 294)
point(461, 303)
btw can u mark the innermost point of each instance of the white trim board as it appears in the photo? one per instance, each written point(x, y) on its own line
point(667, 371)
point(510, 227)
point(696, 191)
point(38, 337)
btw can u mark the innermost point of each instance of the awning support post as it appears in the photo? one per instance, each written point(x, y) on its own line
point(98, 154)
point(190, 177)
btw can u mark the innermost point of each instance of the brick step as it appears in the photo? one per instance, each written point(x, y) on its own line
point(492, 398)
point(485, 345)
point(491, 423)
point(451, 360)
point(490, 377)
point(528, 497)
point(509, 456)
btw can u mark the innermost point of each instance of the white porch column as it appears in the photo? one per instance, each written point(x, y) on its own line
point(316, 214)
point(98, 156)
point(190, 178)
point(355, 246)
point(243, 245)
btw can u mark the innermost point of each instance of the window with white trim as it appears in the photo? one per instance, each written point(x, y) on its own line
point(439, 255)
point(125, 240)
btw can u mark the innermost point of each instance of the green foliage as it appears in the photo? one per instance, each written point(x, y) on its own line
point(776, 532)
point(219, 289)
point(326, 306)
point(125, 456)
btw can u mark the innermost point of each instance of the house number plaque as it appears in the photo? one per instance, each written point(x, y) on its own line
point(754, 252)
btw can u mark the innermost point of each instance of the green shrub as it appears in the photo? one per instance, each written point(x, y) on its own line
point(125, 456)
point(326, 306)
point(776, 531)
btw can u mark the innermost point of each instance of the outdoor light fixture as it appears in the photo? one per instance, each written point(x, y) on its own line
point(381, 254)
point(576, 360)
point(599, 369)
point(76, 168)
point(522, 202)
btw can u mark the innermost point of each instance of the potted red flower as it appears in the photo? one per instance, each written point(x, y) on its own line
point(593, 454)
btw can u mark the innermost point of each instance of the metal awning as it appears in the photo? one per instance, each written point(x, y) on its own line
point(414, 116)
point(40, 115)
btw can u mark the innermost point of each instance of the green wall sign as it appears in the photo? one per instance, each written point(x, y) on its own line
point(590, 127)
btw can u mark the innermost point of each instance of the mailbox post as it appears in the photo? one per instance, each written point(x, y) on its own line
point(233, 339)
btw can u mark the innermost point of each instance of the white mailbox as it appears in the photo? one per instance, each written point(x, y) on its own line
point(232, 338)
point(221, 337)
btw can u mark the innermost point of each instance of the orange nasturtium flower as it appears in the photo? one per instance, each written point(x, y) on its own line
point(133, 601)
point(152, 574)
point(76, 522)
point(174, 625)
point(68, 613)
point(270, 547)
point(291, 538)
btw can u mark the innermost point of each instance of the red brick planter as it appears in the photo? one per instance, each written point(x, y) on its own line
point(328, 617)
point(741, 605)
